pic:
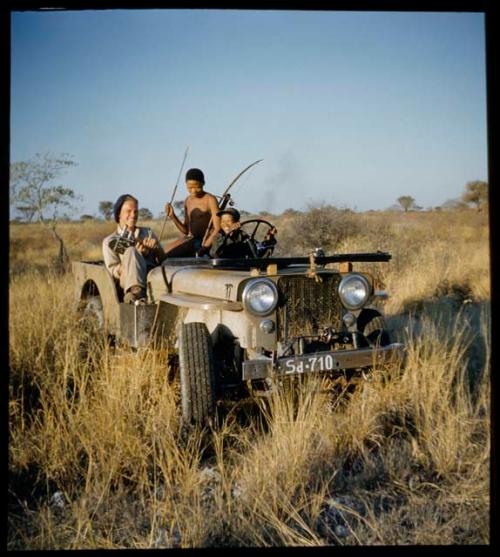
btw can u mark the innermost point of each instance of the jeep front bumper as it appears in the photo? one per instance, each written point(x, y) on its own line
point(322, 361)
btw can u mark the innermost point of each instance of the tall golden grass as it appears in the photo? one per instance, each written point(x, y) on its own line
point(97, 457)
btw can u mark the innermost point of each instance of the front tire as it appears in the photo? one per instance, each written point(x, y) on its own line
point(197, 376)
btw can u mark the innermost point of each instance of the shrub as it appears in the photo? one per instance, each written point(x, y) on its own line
point(323, 225)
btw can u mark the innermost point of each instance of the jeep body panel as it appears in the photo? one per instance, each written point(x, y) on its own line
point(125, 321)
point(207, 294)
point(200, 302)
point(195, 281)
point(93, 278)
point(214, 296)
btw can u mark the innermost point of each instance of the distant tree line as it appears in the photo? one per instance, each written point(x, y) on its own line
point(475, 194)
point(106, 210)
point(34, 196)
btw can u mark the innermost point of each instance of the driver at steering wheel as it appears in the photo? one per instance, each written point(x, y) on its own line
point(233, 242)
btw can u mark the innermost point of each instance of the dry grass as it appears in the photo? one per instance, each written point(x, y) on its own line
point(404, 459)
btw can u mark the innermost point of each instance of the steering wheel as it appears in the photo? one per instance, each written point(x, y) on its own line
point(256, 224)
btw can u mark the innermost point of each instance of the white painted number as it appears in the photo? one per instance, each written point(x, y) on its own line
point(312, 363)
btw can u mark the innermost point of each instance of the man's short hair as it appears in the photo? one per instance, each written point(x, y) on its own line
point(117, 207)
point(230, 211)
point(195, 174)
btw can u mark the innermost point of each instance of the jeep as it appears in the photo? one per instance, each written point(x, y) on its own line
point(242, 325)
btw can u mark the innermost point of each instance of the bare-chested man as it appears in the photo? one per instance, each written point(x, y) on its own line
point(200, 207)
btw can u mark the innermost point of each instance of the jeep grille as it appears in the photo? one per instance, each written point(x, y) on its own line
point(308, 306)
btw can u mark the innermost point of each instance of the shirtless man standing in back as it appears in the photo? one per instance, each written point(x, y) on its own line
point(199, 208)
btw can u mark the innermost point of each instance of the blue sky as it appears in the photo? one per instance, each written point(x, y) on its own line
point(349, 108)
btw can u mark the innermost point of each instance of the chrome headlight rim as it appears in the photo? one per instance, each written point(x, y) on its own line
point(246, 294)
point(345, 280)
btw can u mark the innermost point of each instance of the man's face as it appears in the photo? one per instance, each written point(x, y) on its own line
point(194, 188)
point(128, 214)
point(226, 221)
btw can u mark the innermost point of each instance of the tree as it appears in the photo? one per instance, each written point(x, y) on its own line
point(406, 201)
point(26, 213)
point(32, 194)
point(86, 217)
point(106, 209)
point(454, 205)
point(145, 214)
point(178, 208)
point(476, 192)
point(320, 225)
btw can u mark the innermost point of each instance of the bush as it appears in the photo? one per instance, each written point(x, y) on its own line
point(323, 225)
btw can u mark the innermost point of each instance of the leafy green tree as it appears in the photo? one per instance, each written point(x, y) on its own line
point(106, 209)
point(476, 192)
point(33, 194)
point(406, 201)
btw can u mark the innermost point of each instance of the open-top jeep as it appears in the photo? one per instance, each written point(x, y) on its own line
point(242, 324)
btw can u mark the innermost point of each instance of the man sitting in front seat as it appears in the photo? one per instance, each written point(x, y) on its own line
point(233, 242)
point(131, 251)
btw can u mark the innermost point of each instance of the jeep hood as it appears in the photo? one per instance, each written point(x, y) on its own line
point(213, 283)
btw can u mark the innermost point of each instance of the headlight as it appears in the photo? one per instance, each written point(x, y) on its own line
point(260, 296)
point(354, 291)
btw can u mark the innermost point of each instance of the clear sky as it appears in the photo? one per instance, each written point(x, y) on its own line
point(349, 108)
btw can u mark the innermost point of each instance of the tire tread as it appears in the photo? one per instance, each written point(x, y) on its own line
point(197, 373)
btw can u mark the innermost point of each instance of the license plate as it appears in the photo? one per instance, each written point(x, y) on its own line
point(307, 364)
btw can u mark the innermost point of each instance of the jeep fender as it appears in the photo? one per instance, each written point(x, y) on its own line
point(93, 279)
